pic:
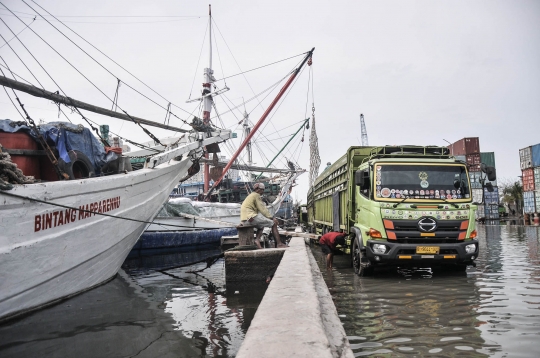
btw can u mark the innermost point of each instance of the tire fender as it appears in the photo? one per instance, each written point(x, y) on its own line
point(79, 166)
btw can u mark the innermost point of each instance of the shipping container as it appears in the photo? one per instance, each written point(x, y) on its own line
point(476, 180)
point(536, 172)
point(477, 195)
point(527, 177)
point(480, 212)
point(491, 211)
point(529, 204)
point(488, 158)
point(491, 197)
point(525, 159)
point(537, 199)
point(535, 155)
point(473, 162)
point(465, 146)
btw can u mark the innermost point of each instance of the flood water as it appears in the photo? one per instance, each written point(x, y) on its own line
point(150, 309)
point(492, 310)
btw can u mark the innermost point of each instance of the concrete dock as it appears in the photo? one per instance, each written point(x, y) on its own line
point(297, 316)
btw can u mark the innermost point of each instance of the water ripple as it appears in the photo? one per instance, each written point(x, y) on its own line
point(492, 310)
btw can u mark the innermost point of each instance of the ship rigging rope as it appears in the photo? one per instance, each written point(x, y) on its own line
point(76, 69)
point(261, 153)
point(263, 66)
point(116, 63)
point(48, 74)
point(226, 44)
point(15, 76)
point(255, 96)
point(95, 212)
point(18, 33)
point(275, 111)
point(198, 61)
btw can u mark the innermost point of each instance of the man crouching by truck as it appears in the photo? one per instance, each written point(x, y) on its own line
point(254, 212)
point(328, 243)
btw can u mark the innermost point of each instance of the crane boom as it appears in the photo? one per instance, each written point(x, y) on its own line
point(364, 131)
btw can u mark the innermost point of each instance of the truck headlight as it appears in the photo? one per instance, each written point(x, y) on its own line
point(470, 248)
point(379, 248)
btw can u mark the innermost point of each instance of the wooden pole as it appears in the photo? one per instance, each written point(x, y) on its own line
point(55, 97)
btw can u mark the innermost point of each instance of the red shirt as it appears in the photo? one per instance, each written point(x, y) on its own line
point(330, 239)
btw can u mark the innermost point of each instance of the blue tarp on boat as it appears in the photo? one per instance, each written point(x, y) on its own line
point(65, 137)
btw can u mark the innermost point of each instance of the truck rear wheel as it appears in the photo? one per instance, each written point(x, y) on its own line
point(357, 255)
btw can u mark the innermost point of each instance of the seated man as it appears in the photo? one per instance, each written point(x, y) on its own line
point(328, 244)
point(254, 212)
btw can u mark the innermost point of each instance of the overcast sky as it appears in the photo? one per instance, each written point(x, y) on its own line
point(421, 72)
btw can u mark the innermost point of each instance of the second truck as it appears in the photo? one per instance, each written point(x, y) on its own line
point(399, 205)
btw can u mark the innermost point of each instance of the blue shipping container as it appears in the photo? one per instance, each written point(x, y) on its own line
point(491, 211)
point(528, 202)
point(476, 177)
point(535, 154)
point(493, 197)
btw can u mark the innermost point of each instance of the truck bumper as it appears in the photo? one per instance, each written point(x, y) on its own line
point(406, 254)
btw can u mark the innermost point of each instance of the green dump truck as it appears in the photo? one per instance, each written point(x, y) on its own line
point(399, 205)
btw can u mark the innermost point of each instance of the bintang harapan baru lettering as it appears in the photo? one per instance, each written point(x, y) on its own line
point(66, 216)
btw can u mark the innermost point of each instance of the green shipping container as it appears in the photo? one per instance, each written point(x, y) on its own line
point(488, 158)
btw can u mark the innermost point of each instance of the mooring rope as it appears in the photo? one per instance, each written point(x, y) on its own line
point(10, 174)
point(97, 213)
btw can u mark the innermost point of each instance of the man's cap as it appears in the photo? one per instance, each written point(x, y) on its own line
point(258, 186)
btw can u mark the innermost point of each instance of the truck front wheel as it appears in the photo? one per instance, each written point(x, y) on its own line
point(357, 255)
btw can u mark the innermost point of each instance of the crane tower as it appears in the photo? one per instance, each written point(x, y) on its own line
point(364, 131)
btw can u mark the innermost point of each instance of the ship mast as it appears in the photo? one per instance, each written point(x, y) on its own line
point(261, 120)
point(247, 130)
point(207, 98)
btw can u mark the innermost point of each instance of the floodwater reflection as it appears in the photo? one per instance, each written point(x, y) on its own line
point(491, 310)
point(214, 316)
point(157, 306)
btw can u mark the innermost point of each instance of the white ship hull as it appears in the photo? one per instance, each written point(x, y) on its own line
point(48, 252)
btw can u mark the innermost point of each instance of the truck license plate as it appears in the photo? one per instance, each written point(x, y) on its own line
point(427, 250)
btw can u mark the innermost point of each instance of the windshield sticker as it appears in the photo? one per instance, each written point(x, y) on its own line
point(439, 186)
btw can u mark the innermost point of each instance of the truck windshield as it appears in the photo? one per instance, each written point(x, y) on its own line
point(449, 182)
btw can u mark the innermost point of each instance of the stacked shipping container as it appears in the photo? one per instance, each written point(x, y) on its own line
point(529, 159)
point(468, 150)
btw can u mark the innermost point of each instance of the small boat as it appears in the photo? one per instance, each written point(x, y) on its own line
point(183, 222)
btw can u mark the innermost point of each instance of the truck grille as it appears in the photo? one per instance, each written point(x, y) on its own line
point(442, 225)
point(406, 231)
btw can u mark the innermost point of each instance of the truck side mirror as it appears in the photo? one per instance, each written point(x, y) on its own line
point(490, 172)
point(489, 187)
point(366, 184)
point(358, 177)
